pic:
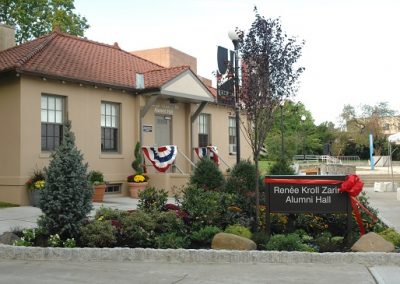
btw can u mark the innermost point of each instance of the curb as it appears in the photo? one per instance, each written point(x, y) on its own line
point(194, 256)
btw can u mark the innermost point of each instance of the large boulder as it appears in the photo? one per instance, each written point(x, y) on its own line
point(232, 242)
point(372, 242)
point(8, 238)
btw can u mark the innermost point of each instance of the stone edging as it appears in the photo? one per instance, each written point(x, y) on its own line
point(194, 256)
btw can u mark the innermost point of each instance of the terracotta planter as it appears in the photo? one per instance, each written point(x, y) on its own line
point(135, 188)
point(98, 192)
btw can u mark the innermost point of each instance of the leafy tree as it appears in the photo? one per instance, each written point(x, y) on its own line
point(296, 132)
point(66, 197)
point(359, 123)
point(269, 76)
point(33, 19)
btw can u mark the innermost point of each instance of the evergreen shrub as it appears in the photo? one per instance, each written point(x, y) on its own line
point(207, 176)
point(290, 242)
point(66, 197)
point(281, 167)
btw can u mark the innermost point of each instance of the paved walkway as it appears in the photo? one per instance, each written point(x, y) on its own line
point(26, 216)
point(16, 271)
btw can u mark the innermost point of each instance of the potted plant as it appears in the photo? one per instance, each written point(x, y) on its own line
point(96, 179)
point(138, 181)
point(35, 185)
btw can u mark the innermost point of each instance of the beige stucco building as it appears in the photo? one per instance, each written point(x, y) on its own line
point(113, 99)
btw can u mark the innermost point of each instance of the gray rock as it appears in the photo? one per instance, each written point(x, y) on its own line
point(372, 242)
point(232, 242)
point(8, 238)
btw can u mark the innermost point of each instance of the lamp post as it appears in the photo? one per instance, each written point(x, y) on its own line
point(234, 37)
point(303, 119)
point(282, 149)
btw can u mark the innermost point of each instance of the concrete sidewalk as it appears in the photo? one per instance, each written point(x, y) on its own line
point(26, 216)
point(17, 271)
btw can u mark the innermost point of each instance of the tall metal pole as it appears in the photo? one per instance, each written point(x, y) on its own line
point(237, 103)
point(303, 119)
point(282, 150)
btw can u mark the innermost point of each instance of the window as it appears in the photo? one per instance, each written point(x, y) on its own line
point(232, 135)
point(113, 188)
point(52, 118)
point(204, 130)
point(109, 127)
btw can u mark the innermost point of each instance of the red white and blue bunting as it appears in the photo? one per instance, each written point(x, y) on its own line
point(209, 151)
point(161, 157)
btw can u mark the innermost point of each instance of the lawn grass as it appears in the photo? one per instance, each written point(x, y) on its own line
point(6, 205)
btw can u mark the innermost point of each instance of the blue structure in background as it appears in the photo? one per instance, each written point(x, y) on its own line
point(371, 151)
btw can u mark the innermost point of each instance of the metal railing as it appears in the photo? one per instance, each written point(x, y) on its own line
point(326, 159)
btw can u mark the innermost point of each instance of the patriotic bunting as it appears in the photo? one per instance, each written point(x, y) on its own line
point(161, 157)
point(209, 151)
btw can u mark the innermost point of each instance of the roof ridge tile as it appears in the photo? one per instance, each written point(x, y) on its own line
point(35, 51)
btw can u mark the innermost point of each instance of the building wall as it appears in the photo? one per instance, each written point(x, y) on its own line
point(168, 57)
point(10, 156)
point(20, 151)
point(220, 134)
point(83, 109)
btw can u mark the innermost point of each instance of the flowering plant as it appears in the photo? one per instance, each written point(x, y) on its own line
point(138, 178)
point(37, 181)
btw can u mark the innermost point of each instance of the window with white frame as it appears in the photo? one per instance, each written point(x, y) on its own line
point(204, 130)
point(52, 118)
point(232, 135)
point(110, 117)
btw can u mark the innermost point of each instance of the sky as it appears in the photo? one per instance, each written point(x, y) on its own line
point(351, 53)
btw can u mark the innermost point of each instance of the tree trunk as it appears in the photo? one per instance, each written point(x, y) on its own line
point(257, 192)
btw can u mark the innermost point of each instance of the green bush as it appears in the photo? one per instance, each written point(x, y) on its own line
point(98, 234)
point(137, 163)
point(242, 178)
point(203, 237)
point(138, 229)
point(261, 239)
point(106, 213)
point(326, 243)
point(207, 176)
point(238, 230)
point(391, 235)
point(171, 240)
point(151, 199)
point(96, 177)
point(205, 208)
point(66, 197)
point(281, 167)
point(290, 242)
point(168, 222)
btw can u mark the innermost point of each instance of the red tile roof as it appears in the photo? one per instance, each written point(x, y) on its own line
point(159, 77)
point(69, 57)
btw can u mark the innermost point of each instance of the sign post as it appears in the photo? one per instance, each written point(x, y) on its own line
point(306, 194)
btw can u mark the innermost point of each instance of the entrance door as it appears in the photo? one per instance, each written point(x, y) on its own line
point(163, 130)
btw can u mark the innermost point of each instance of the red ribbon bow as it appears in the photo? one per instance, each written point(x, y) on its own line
point(353, 186)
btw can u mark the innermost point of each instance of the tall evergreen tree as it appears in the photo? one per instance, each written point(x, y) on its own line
point(66, 197)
